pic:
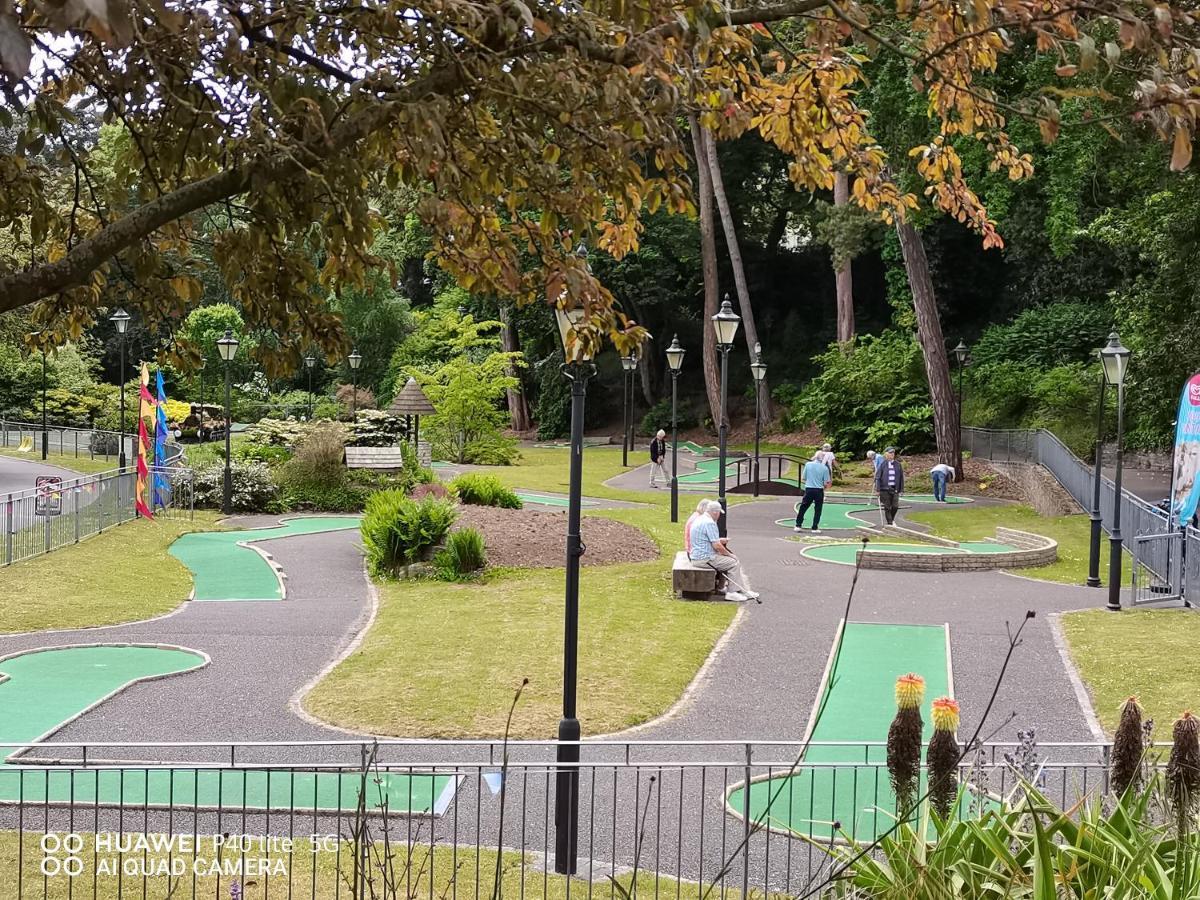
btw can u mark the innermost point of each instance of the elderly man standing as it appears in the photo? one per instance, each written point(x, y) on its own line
point(889, 483)
point(710, 549)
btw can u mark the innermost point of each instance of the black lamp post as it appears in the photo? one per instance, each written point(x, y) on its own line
point(1093, 577)
point(309, 362)
point(674, 362)
point(45, 433)
point(627, 366)
point(120, 320)
point(227, 346)
point(960, 353)
point(578, 369)
point(201, 371)
point(355, 360)
point(1115, 359)
point(725, 323)
point(758, 369)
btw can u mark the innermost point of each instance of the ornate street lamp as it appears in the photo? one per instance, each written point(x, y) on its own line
point(628, 364)
point(120, 320)
point(227, 347)
point(725, 324)
point(355, 360)
point(578, 368)
point(960, 353)
point(1115, 359)
point(674, 363)
point(1093, 576)
point(309, 362)
point(758, 369)
point(45, 432)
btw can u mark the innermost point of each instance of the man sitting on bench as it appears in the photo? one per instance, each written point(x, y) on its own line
point(710, 549)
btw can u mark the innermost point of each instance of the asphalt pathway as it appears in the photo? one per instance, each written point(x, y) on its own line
point(18, 474)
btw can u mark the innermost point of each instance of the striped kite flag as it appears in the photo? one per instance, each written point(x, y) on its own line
point(145, 405)
point(160, 444)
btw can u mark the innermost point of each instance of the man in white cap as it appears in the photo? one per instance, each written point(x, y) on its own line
point(658, 453)
point(709, 548)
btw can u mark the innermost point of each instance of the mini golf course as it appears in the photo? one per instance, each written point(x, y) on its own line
point(839, 510)
point(43, 690)
point(847, 553)
point(842, 777)
point(224, 569)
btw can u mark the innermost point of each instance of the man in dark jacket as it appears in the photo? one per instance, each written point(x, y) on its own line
point(889, 484)
point(658, 454)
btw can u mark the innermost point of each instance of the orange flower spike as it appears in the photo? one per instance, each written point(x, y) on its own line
point(945, 714)
point(910, 691)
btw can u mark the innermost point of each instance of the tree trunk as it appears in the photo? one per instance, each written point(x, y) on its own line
point(518, 407)
point(845, 281)
point(933, 348)
point(708, 257)
point(735, 260)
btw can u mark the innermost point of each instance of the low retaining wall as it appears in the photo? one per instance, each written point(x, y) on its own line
point(1031, 550)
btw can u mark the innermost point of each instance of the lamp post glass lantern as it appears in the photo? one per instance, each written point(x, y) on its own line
point(628, 363)
point(674, 363)
point(309, 362)
point(227, 347)
point(758, 369)
point(1114, 357)
point(577, 369)
point(355, 360)
point(725, 324)
point(120, 320)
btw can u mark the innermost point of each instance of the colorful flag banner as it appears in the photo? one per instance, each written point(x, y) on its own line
point(160, 444)
point(145, 405)
point(1185, 480)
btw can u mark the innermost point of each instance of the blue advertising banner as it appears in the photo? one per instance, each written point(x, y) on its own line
point(1185, 495)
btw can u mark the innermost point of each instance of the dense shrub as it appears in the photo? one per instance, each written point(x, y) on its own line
point(261, 453)
point(277, 432)
point(1046, 336)
point(254, 490)
point(315, 477)
point(491, 450)
point(350, 400)
point(659, 416)
point(877, 387)
point(463, 555)
point(1013, 395)
point(314, 495)
point(484, 490)
point(375, 428)
point(397, 530)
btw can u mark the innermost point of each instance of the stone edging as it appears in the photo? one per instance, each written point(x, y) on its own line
point(1032, 550)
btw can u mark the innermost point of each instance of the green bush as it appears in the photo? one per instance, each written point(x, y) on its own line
point(1046, 336)
point(463, 555)
point(491, 450)
point(316, 496)
point(263, 453)
point(659, 416)
point(375, 428)
point(879, 383)
point(397, 530)
point(254, 490)
point(477, 489)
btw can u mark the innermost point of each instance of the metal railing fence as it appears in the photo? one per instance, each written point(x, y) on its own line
point(1158, 561)
point(94, 443)
point(40, 520)
point(345, 818)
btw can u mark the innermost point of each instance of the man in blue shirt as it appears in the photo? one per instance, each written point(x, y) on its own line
point(815, 477)
point(889, 483)
point(710, 549)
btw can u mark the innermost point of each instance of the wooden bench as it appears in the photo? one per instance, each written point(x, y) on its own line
point(383, 458)
point(693, 581)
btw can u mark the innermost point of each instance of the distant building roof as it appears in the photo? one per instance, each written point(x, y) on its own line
point(411, 401)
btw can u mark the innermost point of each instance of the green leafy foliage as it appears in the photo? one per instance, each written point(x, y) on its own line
point(879, 383)
point(462, 557)
point(478, 489)
point(659, 416)
point(1061, 399)
point(1046, 336)
point(315, 477)
point(397, 530)
point(254, 488)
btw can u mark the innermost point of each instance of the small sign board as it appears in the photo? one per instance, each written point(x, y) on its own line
point(49, 496)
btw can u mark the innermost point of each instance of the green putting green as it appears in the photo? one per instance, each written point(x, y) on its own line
point(707, 471)
point(43, 689)
point(550, 500)
point(847, 553)
point(222, 570)
point(847, 783)
point(835, 516)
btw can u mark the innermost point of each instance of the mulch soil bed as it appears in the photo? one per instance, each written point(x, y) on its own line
point(536, 539)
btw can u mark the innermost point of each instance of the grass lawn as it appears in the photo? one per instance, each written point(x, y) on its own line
point(83, 463)
point(462, 872)
point(974, 523)
point(121, 575)
point(546, 469)
point(1148, 653)
point(430, 665)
